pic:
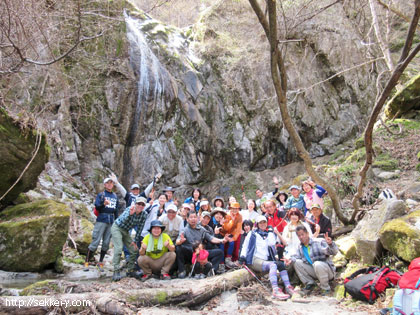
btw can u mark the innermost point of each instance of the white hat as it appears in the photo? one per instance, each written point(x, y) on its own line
point(204, 203)
point(106, 180)
point(261, 218)
point(186, 205)
point(171, 207)
point(141, 199)
point(134, 186)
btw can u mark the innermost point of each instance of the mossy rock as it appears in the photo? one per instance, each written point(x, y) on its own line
point(16, 148)
point(32, 235)
point(405, 100)
point(41, 288)
point(347, 246)
point(402, 236)
point(84, 236)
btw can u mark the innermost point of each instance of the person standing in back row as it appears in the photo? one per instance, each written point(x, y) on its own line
point(106, 203)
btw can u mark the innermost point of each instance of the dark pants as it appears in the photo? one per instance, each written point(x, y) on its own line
point(204, 269)
point(184, 256)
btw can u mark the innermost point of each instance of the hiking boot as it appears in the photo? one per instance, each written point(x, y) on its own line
point(197, 276)
point(165, 277)
point(308, 288)
point(86, 266)
point(221, 269)
point(326, 292)
point(145, 278)
point(182, 275)
point(100, 266)
point(116, 276)
point(202, 276)
point(134, 274)
point(290, 290)
point(278, 294)
point(229, 263)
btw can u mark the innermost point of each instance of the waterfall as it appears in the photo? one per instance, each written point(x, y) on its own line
point(153, 79)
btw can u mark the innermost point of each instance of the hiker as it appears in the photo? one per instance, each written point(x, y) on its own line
point(263, 197)
point(191, 234)
point(169, 192)
point(289, 237)
point(277, 223)
point(195, 198)
point(281, 198)
point(217, 219)
point(106, 203)
point(157, 252)
point(174, 224)
point(312, 261)
point(183, 212)
point(231, 228)
point(321, 224)
point(296, 200)
point(218, 202)
point(247, 227)
point(204, 222)
point(163, 203)
point(120, 232)
point(204, 206)
point(201, 265)
point(130, 196)
point(251, 212)
point(313, 194)
point(257, 253)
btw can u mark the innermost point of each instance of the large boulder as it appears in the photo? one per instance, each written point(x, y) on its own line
point(366, 233)
point(32, 235)
point(402, 236)
point(84, 236)
point(405, 100)
point(17, 146)
point(347, 246)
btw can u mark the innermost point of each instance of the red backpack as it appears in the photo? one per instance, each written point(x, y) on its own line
point(368, 283)
point(411, 279)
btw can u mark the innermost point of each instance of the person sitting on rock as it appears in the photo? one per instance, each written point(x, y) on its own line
point(120, 231)
point(313, 195)
point(321, 224)
point(106, 203)
point(312, 261)
point(201, 265)
point(296, 200)
point(217, 219)
point(157, 252)
point(191, 234)
point(231, 229)
point(276, 221)
point(258, 253)
point(174, 224)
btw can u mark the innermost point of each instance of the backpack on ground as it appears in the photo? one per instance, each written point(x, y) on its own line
point(368, 283)
point(406, 300)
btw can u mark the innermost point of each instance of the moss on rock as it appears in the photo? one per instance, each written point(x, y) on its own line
point(41, 288)
point(401, 236)
point(84, 236)
point(405, 100)
point(32, 235)
point(17, 146)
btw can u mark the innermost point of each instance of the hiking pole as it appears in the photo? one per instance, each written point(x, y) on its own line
point(253, 274)
point(192, 270)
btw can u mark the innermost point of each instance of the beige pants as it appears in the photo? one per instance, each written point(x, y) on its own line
point(320, 270)
point(162, 265)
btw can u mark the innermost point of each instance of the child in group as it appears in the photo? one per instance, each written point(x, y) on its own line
point(201, 265)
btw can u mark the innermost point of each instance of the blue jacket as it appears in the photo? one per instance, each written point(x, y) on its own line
point(107, 214)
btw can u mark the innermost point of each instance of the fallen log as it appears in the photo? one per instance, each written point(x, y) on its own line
point(187, 293)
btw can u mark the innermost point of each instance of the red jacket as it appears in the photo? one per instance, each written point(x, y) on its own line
point(276, 221)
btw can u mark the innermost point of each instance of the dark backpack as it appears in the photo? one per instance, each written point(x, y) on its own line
point(96, 211)
point(368, 283)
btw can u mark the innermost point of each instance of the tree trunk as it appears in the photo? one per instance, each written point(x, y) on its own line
point(278, 74)
point(189, 293)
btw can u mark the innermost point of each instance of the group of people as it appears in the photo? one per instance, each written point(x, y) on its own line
point(277, 233)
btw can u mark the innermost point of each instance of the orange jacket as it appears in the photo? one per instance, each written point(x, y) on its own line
point(232, 226)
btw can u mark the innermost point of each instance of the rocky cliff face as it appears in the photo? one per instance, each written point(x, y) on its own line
point(197, 104)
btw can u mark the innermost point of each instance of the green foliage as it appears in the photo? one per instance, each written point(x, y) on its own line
point(385, 162)
point(418, 167)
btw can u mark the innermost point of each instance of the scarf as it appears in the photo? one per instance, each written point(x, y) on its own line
point(151, 243)
point(252, 243)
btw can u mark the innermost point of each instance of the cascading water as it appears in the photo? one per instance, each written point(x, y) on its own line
point(153, 80)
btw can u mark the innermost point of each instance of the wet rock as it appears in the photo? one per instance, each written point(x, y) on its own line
point(32, 235)
point(401, 236)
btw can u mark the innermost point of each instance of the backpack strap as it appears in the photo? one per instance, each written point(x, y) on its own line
point(362, 271)
point(380, 273)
